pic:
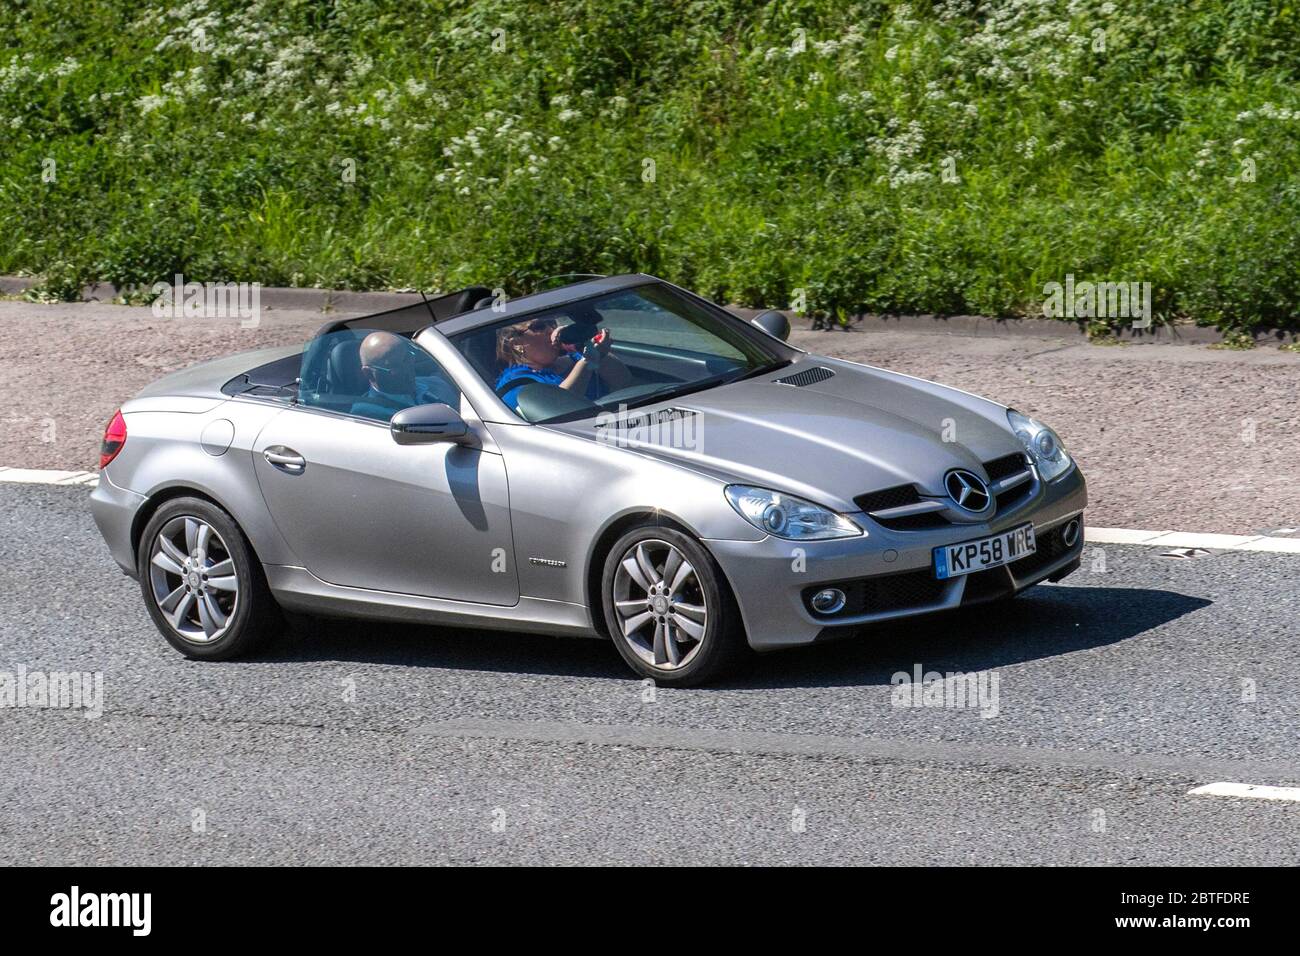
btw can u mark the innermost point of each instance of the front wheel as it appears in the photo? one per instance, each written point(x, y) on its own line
point(668, 608)
point(202, 584)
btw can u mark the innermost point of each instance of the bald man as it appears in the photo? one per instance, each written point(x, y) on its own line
point(388, 362)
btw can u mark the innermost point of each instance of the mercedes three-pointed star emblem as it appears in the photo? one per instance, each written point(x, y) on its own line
point(967, 489)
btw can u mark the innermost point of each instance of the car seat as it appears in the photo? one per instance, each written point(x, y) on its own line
point(331, 372)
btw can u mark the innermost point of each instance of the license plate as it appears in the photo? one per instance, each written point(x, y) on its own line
point(954, 560)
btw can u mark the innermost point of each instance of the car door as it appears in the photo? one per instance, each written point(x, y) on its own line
point(362, 511)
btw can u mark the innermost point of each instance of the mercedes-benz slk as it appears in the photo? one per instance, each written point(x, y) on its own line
point(679, 481)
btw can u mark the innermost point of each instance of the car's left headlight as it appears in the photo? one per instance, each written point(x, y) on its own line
point(1043, 444)
point(786, 516)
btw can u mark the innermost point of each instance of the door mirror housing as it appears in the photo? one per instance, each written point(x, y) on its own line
point(773, 323)
point(429, 424)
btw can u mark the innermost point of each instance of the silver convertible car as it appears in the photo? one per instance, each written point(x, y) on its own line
point(616, 458)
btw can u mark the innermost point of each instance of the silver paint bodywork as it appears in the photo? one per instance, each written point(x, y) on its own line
point(505, 532)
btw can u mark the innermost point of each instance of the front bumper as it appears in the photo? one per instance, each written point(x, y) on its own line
point(114, 510)
point(889, 574)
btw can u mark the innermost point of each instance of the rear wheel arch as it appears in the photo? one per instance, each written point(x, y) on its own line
point(170, 493)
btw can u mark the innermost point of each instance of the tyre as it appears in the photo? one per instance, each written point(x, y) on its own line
point(668, 608)
point(202, 584)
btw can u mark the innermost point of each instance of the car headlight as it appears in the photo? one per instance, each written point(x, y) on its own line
point(786, 516)
point(1043, 444)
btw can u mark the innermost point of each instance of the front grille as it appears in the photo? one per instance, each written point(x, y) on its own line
point(894, 592)
point(900, 495)
point(1005, 466)
point(897, 497)
point(888, 498)
point(809, 376)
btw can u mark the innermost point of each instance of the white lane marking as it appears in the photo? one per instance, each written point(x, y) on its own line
point(1185, 539)
point(48, 476)
point(1119, 535)
point(1253, 791)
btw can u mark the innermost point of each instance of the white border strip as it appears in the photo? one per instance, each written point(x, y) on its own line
point(44, 476)
point(1184, 539)
point(1252, 791)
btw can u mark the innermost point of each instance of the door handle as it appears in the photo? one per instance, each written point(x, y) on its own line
point(286, 459)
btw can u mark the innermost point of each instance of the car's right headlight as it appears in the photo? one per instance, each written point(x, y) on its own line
point(1043, 444)
point(785, 516)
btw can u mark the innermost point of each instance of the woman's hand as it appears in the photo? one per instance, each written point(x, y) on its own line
point(613, 372)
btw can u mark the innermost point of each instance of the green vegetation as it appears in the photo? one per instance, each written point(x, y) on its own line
point(928, 157)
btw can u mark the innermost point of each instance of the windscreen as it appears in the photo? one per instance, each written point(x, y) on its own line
point(624, 349)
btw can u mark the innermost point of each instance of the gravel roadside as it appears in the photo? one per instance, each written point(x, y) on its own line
point(1170, 436)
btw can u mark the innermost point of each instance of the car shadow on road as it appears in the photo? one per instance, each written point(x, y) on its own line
point(456, 648)
point(1041, 623)
point(1045, 622)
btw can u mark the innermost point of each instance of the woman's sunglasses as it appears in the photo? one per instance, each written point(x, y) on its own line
point(537, 325)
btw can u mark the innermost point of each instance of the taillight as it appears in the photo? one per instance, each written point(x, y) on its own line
point(114, 439)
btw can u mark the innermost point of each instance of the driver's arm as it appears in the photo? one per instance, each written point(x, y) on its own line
point(576, 381)
point(612, 370)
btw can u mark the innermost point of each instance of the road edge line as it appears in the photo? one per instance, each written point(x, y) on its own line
point(1247, 791)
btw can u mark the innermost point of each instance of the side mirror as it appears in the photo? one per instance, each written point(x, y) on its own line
point(773, 323)
point(428, 424)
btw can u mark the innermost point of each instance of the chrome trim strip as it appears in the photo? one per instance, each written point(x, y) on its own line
point(903, 511)
point(1010, 481)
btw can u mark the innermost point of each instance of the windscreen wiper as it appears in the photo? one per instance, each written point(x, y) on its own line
point(724, 379)
point(673, 394)
point(761, 370)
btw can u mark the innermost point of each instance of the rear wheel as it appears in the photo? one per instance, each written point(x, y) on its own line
point(202, 584)
point(668, 608)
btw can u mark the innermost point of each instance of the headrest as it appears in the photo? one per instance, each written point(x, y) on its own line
point(462, 301)
point(480, 348)
point(343, 371)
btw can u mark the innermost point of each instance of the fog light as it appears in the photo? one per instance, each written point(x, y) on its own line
point(1071, 533)
point(828, 601)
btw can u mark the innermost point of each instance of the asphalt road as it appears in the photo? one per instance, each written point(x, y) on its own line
point(1118, 691)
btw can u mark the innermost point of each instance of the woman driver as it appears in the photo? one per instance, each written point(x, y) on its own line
point(530, 351)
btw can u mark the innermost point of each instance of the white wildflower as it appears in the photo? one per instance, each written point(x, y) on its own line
point(147, 104)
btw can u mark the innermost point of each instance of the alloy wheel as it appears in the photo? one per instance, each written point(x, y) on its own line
point(193, 579)
point(660, 604)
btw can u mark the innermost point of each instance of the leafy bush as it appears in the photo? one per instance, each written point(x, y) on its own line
point(946, 156)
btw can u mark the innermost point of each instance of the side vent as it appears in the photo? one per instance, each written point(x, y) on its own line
point(809, 376)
